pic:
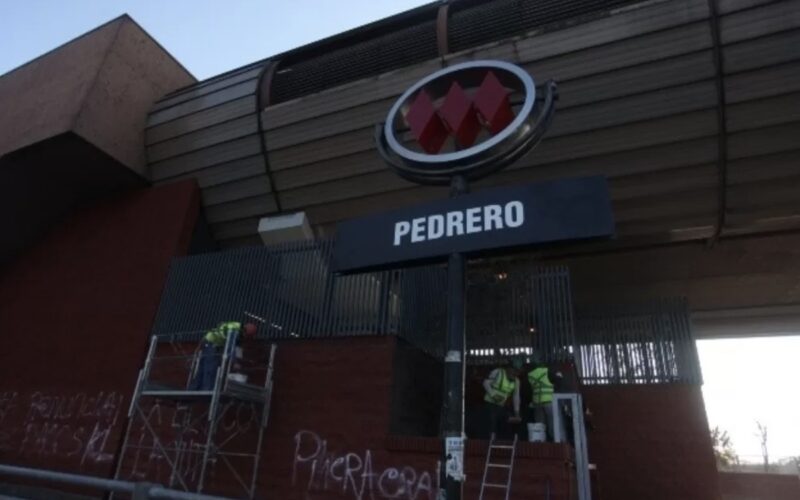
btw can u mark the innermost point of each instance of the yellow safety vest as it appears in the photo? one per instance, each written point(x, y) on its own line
point(500, 390)
point(541, 385)
point(218, 335)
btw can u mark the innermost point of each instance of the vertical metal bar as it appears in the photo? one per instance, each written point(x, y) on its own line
point(696, 376)
point(454, 364)
point(293, 269)
point(321, 275)
point(222, 372)
point(303, 298)
point(551, 312)
point(269, 291)
point(367, 294)
point(362, 292)
point(306, 298)
point(345, 304)
point(374, 294)
point(134, 402)
point(343, 318)
point(581, 449)
point(558, 344)
point(265, 408)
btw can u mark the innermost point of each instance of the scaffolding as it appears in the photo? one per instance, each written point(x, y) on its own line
point(177, 432)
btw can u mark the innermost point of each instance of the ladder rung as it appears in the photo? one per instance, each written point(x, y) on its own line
point(502, 447)
point(503, 466)
point(493, 485)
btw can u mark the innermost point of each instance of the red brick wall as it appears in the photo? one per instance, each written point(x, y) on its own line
point(745, 486)
point(651, 441)
point(332, 402)
point(75, 315)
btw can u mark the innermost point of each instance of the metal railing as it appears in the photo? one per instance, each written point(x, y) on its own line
point(641, 343)
point(292, 290)
point(512, 309)
point(137, 491)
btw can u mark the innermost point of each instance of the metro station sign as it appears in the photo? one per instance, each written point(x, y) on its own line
point(460, 124)
point(476, 224)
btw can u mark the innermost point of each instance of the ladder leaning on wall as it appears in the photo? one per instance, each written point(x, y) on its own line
point(574, 403)
point(511, 450)
point(190, 460)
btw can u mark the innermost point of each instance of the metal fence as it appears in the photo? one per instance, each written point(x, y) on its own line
point(525, 311)
point(644, 343)
point(290, 287)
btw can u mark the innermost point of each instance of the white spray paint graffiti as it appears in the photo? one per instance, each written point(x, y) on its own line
point(353, 474)
point(181, 438)
point(74, 426)
point(8, 402)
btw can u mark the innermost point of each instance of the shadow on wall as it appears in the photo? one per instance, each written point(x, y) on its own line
point(416, 392)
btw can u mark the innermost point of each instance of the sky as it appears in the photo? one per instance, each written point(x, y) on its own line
point(207, 37)
point(754, 379)
point(745, 380)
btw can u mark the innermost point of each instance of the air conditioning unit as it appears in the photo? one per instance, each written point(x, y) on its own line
point(285, 228)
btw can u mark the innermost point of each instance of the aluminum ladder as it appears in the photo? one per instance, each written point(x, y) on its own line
point(496, 465)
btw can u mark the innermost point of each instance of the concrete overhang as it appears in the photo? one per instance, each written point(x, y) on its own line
point(72, 125)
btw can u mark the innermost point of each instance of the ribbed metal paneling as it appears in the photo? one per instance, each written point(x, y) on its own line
point(383, 53)
point(476, 23)
point(639, 103)
point(470, 24)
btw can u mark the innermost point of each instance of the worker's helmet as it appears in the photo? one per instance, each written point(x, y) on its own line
point(249, 330)
point(516, 363)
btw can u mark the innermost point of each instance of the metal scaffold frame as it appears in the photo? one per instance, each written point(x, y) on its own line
point(211, 404)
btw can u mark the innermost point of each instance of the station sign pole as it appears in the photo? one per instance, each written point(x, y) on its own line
point(455, 365)
point(468, 120)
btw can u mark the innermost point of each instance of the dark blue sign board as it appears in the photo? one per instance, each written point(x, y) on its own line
point(491, 219)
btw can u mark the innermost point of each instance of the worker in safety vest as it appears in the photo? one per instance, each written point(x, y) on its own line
point(211, 352)
point(501, 385)
point(540, 409)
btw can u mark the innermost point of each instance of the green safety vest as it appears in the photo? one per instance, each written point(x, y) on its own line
point(541, 385)
point(500, 390)
point(218, 335)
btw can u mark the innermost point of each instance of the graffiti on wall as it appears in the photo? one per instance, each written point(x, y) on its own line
point(165, 435)
point(68, 426)
point(353, 475)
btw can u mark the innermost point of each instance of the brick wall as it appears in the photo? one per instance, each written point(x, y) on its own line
point(746, 486)
point(75, 314)
point(416, 392)
point(329, 433)
point(651, 441)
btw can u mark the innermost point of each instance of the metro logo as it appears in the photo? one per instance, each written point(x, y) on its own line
point(460, 115)
point(469, 120)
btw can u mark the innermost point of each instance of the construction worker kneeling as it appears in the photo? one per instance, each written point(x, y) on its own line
point(211, 352)
point(501, 384)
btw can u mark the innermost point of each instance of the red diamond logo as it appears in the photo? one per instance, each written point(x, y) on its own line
point(425, 124)
point(491, 101)
point(459, 114)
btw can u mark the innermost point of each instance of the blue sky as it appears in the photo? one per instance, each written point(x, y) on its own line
point(208, 37)
point(745, 379)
